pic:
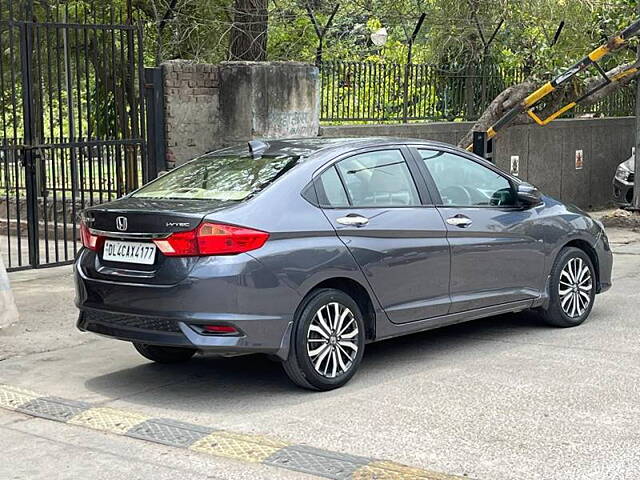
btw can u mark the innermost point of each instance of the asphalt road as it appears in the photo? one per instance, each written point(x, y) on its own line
point(500, 398)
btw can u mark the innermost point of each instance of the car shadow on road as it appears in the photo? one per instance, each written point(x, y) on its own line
point(254, 381)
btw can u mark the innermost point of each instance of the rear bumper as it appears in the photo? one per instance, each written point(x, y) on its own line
point(235, 291)
point(133, 328)
point(179, 333)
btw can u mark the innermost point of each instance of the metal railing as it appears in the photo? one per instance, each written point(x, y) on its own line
point(392, 92)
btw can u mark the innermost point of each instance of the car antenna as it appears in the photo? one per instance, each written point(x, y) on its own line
point(257, 148)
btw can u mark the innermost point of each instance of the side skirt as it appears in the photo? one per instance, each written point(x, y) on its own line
point(390, 330)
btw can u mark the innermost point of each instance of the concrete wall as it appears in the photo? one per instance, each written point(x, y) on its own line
point(547, 155)
point(212, 106)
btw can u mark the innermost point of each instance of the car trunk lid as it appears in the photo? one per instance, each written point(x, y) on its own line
point(139, 216)
point(133, 224)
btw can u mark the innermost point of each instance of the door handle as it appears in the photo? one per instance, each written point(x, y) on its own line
point(460, 221)
point(353, 221)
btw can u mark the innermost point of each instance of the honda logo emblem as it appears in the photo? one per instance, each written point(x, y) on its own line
point(122, 224)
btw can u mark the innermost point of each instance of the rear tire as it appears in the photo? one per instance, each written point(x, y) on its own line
point(572, 289)
point(165, 355)
point(327, 342)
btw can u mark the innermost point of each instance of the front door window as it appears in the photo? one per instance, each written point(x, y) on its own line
point(462, 182)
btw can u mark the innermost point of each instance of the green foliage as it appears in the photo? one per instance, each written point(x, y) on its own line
point(453, 35)
point(453, 41)
point(455, 32)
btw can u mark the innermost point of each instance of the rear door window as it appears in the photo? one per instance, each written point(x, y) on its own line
point(378, 179)
point(224, 178)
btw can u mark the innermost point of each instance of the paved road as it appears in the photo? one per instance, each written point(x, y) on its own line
point(501, 398)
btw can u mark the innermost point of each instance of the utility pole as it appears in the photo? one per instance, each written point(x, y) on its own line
point(636, 187)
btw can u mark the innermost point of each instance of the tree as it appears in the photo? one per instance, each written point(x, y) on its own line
point(515, 94)
point(609, 19)
point(249, 31)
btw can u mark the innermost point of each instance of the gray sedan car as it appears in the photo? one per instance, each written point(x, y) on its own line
point(308, 249)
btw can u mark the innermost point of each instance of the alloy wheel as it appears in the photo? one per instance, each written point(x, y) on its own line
point(575, 288)
point(332, 340)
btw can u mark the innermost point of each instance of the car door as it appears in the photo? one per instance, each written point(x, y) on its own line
point(497, 252)
point(389, 224)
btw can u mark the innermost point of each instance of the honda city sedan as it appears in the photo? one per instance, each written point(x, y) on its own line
point(309, 249)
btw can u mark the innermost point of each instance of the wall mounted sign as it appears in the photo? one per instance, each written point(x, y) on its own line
point(579, 159)
point(515, 165)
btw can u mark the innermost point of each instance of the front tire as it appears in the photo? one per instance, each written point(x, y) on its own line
point(327, 342)
point(572, 289)
point(165, 355)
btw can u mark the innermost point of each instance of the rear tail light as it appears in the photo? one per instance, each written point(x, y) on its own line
point(212, 239)
point(89, 240)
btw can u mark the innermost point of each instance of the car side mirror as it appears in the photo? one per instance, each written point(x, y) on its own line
point(529, 195)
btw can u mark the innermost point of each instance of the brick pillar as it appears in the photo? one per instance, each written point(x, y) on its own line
point(191, 92)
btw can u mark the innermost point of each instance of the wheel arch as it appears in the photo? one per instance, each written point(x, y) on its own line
point(587, 248)
point(359, 294)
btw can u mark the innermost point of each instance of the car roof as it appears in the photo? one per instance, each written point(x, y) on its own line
point(305, 147)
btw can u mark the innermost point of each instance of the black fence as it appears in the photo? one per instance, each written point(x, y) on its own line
point(72, 124)
point(391, 92)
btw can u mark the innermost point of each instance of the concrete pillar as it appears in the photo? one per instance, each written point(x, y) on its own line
point(268, 100)
point(212, 106)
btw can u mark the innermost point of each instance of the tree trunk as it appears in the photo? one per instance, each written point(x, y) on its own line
point(504, 102)
point(510, 97)
point(249, 31)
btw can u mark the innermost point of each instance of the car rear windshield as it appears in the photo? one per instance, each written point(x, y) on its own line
point(224, 178)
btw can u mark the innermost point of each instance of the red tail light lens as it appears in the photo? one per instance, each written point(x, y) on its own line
point(89, 240)
point(182, 244)
point(219, 329)
point(212, 239)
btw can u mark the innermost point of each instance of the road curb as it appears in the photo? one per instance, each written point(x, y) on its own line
point(243, 447)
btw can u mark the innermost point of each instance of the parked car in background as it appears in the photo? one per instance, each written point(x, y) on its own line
point(623, 183)
point(309, 249)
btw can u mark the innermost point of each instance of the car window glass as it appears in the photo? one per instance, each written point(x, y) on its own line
point(379, 179)
point(462, 182)
point(332, 192)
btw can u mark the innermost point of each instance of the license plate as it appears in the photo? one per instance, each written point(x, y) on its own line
point(143, 253)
